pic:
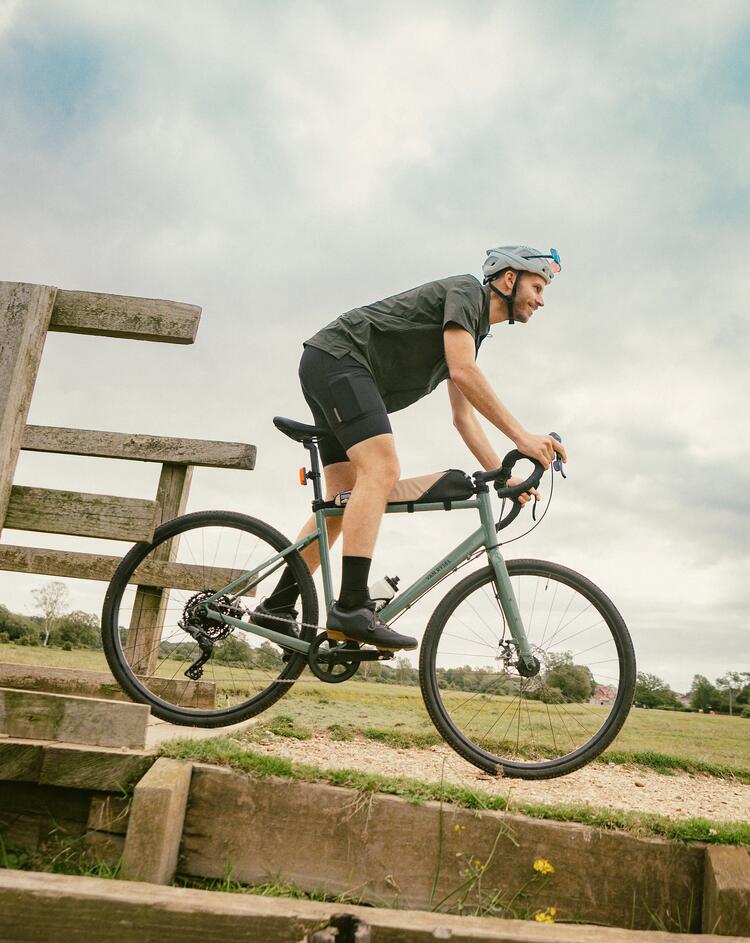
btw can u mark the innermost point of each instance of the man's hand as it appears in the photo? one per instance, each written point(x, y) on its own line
point(540, 447)
point(524, 499)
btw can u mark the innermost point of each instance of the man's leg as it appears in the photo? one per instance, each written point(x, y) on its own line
point(377, 470)
point(340, 476)
point(352, 616)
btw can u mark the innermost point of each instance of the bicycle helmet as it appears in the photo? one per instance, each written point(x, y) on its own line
point(521, 259)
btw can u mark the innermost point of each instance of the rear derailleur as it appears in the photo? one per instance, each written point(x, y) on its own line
point(206, 631)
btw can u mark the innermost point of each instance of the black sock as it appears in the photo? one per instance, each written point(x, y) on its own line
point(354, 575)
point(286, 593)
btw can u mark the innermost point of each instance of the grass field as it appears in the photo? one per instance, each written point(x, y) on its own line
point(714, 740)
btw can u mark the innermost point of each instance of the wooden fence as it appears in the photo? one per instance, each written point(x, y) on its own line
point(27, 313)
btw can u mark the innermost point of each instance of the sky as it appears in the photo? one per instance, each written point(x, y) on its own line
point(278, 164)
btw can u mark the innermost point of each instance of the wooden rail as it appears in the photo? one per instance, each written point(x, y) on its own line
point(141, 448)
point(142, 319)
point(27, 313)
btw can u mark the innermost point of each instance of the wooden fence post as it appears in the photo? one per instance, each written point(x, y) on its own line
point(25, 312)
point(147, 619)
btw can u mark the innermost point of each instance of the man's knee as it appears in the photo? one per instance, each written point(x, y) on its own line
point(382, 472)
point(340, 476)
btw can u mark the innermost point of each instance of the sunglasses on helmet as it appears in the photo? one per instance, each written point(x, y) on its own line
point(556, 265)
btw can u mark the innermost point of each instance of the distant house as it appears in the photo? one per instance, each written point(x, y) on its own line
point(684, 699)
point(604, 694)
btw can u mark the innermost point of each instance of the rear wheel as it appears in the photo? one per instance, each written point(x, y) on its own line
point(151, 654)
point(538, 724)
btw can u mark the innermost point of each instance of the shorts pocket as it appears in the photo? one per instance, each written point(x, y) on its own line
point(353, 395)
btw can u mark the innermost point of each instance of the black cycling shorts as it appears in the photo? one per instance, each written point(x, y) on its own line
point(342, 396)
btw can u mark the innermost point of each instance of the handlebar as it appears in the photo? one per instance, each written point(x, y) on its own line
point(501, 475)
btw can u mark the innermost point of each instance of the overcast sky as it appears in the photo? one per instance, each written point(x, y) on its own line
point(279, 163)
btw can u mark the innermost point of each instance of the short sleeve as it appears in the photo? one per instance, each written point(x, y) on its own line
point(463, 306)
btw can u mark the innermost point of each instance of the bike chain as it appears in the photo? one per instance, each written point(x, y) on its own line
point(304, 625)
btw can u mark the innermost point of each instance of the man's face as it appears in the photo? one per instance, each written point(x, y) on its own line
point(528, 295)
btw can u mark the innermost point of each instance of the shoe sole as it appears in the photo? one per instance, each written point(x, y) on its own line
point(340, 637)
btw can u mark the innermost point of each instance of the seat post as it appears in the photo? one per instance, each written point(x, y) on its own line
point(315, 475)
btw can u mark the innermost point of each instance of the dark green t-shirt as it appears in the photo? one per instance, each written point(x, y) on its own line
point(400, 339)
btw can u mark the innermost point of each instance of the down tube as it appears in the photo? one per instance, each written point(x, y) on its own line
point(502, 581)
point(407, 596)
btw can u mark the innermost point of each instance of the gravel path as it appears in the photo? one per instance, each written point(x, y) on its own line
point(680, 796)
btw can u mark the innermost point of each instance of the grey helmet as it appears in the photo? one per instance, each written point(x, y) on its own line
point(521, 259)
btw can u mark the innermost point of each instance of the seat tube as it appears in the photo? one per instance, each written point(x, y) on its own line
point(320, 520)
point(325, 557)
point(502, 580)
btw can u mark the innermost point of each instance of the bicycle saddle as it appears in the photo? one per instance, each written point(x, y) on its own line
point(299, 431)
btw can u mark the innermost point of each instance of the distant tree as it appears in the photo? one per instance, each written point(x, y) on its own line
point(404, 671)
point(703, 695)
point(651, 691)
point(50, 600)
point(574, 682)
point(732, 684)
point(77, 630)
point(22, 630)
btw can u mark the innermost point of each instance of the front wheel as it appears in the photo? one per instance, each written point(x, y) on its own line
point(150, 618)
point(531, 724)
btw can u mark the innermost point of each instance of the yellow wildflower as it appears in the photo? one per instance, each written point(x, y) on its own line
point(545, 916)
point(478, 864)
point(542, 866)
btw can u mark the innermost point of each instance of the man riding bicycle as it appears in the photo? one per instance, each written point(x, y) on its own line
point(380, 358)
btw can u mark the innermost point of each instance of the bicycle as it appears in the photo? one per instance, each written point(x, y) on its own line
point(510, 658)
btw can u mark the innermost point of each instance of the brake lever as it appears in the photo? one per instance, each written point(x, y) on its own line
point(557, 465)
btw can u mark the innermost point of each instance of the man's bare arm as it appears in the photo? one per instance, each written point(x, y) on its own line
point(472, 383)
point(469, 428)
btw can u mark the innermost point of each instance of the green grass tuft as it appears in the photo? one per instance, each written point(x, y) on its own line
point(666, 764)
point(402, 740)
point(275, 888)
point(284, 726)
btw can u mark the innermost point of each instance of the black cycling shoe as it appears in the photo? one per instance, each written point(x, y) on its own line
point(278, 620)
point(363, 625)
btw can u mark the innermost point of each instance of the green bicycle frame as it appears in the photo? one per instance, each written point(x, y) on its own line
point(485, 536)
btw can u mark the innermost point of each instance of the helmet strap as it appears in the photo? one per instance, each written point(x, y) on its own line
point(508, 299)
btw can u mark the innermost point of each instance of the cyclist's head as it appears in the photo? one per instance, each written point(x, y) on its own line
point(518, 260)
point(521, 259)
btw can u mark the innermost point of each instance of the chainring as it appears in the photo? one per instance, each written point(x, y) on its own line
point(327, 659)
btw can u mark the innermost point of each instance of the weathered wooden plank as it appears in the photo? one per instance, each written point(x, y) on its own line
point(101, 684)
point(141, 448)
point(144, 319)
point(155, 823)
point(92, 566)
point(150, 605)
point(20, 760)
point(416, 855)
point(38, 907)
point(96, 768)
point(24, 316)
point(33, 715)
point(81, 514)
